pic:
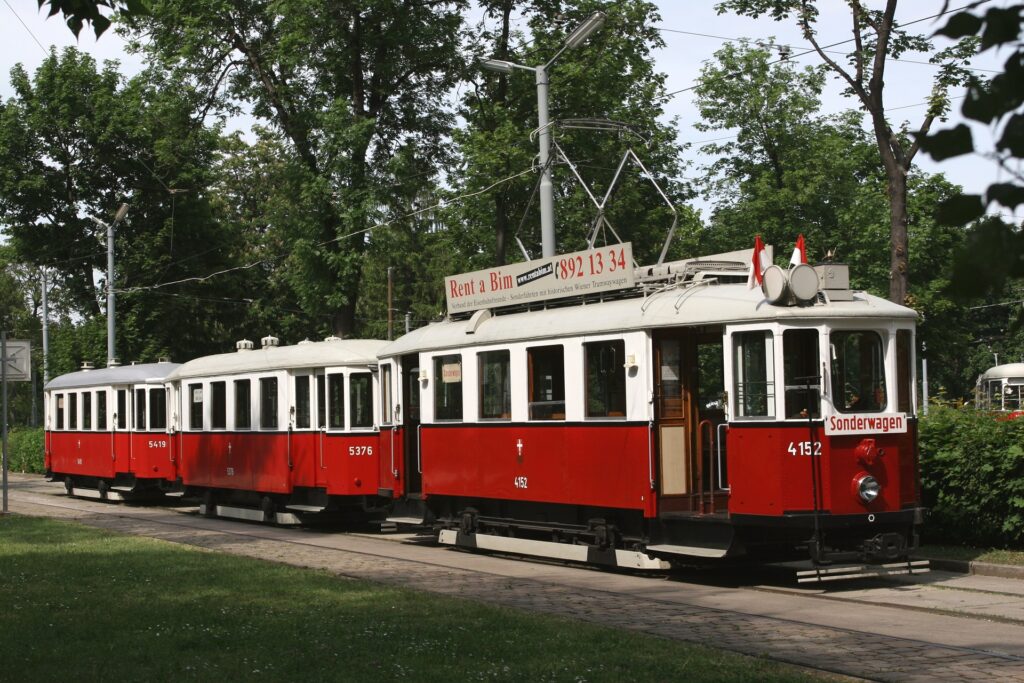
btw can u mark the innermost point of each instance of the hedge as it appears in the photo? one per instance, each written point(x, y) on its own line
point(972, 477)
point(25, 449)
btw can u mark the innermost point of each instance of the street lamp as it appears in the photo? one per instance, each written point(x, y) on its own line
point(547, 200)
point(118, 217)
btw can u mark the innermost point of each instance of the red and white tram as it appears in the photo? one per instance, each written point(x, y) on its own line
point(107, 431)
point(1001, 389)
point(681, 418)
point(269, 434)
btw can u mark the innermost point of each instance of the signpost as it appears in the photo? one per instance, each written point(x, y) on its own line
point(15, 366)
point(582, 272)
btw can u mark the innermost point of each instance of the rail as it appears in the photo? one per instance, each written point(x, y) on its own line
point(721, 469)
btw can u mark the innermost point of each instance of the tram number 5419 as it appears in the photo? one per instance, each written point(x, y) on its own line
point(804, 448)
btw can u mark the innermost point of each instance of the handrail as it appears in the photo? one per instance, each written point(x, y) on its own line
point(650, 453)
point(394, 472)
point(419, 448)
point(721, 484)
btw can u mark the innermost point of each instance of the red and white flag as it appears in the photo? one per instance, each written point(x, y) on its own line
point(799, 252)
point(757, 264)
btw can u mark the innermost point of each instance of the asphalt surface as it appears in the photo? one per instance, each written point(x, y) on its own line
point(936, 627)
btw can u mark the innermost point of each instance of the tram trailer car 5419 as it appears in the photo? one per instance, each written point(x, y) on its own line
point(687, 419)
point(106, 431)
point(273, 433)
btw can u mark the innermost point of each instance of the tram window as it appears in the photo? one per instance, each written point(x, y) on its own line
point(268, 403)
point(802, 371)
point(858, 372)
point(336, 401)
point(243, 404)
point(195, 406)
point(495, 385)
point(72, 411)
point(218, 405)
point(669, 352)
point(994, 397)
point(754, 373)
point(321, 402)
point(60, 410)
point(157, 408)
point(1012, 396)
point(448, 387)
point(302, 404)
point(101, 410)
point(606, 378)
point(140, 409)
point(86, 410)
point(547, 382)
point(385, 394)
point(360, 400)
point(904, 365)
point(122, 409)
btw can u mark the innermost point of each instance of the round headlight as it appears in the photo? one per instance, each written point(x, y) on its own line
point(868, 488)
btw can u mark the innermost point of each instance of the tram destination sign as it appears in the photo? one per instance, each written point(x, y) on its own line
point(583, 272)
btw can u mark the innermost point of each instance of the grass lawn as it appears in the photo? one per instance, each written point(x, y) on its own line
point(81, 604)
point(960, 552)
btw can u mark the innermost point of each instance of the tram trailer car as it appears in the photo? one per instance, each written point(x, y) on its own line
point(106, 431)
point(278, 432)
point(685, 421)
point(1001, 389)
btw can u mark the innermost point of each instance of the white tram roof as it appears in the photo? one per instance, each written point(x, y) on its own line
point(1008, 371)
point(329, 353)
point(142, 373)
point(708, 304)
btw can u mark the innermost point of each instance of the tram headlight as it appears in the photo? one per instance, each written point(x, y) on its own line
point(867, 487)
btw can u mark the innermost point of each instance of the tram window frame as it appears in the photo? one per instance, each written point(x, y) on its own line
point(448, 399)
point(749, 345)
point(1013, 395)
point(385, 394)
point(795, 343)
point(73, 410)
point(544, 406)
point(495, 397)
point(270, 400)
point(122, 409)
point(158, 408)
point(243, 404)
point(360, 400)
point(303, 402)
point(335, 400)
point(321, 401)
point(87, 411)
point(195, 406)
point(605, 392)
point(219, 405)
point(867, 395)
point(59, 410)
point(101, 410)
point(140, 410)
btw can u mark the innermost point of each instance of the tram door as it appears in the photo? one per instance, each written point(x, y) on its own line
point(689, 406)
point(411, 424)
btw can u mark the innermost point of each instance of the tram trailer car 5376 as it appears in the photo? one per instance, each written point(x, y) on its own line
point(107, 431)
point(685, 420)
point(273, 433)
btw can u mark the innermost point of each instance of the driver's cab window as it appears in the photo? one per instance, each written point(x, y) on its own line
point(754, 373)
point(802, 369)
point(858, 372)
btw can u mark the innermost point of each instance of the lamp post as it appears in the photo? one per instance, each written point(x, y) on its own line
point(547, 197)
point(118, 217)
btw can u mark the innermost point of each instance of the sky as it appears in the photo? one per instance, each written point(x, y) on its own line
point(692, 31)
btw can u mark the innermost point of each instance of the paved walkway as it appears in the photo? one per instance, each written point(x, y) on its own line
point(866, 641)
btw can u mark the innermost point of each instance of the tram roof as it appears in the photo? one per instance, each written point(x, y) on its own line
point(709, 304)
point(303, 355)
point(1010, 370)
point(142, 373)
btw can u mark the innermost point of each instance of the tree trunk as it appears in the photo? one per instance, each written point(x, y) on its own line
point(899, 271)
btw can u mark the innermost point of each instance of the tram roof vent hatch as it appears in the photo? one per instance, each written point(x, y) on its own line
point(835, 281)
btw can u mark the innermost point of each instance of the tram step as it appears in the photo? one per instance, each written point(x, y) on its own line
point(690, 550)
point(406, 520)
point(305, 508)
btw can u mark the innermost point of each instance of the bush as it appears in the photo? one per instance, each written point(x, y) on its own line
point(25, 449)
point(972, 477)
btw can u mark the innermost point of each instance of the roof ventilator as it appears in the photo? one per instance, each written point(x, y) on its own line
point(244, 345)
point(269, 342)
point(87, 366)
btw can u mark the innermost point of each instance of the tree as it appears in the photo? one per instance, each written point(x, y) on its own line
point(878, 37)
point(351, 86)
point(77, 13)
point(611, 77)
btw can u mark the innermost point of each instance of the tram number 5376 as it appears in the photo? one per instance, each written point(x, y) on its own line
point(804, 448)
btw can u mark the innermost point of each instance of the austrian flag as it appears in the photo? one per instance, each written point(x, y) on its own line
point(757, 264)
point(799, 252)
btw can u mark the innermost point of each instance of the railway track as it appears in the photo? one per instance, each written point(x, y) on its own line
point(943, 629)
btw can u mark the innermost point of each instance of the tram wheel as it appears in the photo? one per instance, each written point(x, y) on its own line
point(209, 504)
point(269, 509)
point(102, 486)
point(69, 486)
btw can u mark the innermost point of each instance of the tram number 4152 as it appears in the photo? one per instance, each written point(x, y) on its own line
point(520, 482)
point(804, 448)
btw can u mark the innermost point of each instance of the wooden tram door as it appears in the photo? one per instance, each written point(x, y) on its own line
point(689, 406)
point(411, 424)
